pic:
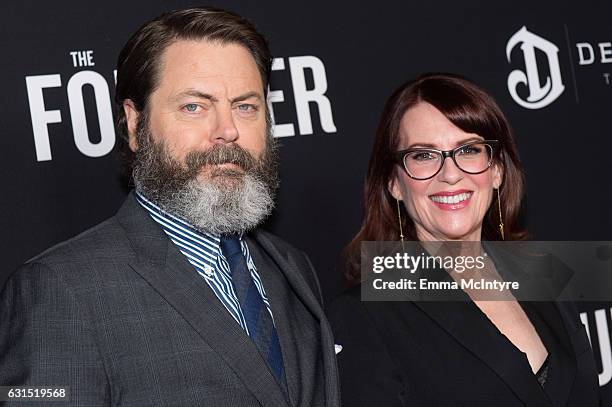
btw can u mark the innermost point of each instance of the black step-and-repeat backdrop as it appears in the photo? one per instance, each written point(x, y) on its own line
point(549, 65)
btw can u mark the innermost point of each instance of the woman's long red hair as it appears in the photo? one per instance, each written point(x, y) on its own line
point(471, 109)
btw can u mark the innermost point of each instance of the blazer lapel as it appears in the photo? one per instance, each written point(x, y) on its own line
point(161, 264)
point(546, 281)
point(552, 314)
point(291, 271)
point(469, 326)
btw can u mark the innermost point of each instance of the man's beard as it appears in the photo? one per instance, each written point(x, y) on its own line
point(225, 200)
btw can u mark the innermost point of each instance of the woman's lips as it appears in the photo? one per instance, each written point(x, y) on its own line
point(452, 200)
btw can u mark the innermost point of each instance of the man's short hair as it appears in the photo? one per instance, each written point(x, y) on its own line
point(138, 65)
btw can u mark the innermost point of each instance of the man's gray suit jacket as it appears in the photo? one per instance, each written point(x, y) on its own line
point(119, 315)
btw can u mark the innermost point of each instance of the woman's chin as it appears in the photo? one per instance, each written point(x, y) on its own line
point(458, 233)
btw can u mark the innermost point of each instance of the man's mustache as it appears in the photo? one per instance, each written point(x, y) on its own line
point(221, 154)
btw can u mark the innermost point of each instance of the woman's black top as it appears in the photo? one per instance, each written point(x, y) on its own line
point(555, 369)
point(451, 354)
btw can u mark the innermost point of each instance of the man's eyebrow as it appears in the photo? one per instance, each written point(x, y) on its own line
point(457, 144)
point(194, 93)
point(201, 95)
point(246, 96)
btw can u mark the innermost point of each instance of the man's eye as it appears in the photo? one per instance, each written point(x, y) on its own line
point(191, 107)
point(247, 108)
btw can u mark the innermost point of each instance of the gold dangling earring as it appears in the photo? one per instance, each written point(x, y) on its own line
point(501, 221)
point(399, 220)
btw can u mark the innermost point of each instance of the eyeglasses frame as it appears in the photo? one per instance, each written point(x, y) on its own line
point(495, 145)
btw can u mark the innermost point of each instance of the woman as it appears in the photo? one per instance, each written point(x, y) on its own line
point(445, 167)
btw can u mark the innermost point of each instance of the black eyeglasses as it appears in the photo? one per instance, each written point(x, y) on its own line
point(474, 157)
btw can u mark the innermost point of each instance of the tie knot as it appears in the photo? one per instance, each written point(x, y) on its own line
point(230, 245)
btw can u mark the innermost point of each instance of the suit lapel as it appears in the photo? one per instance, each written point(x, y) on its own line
point(161, 264)
point(275, 286)
point(291, 272)
point(552, 314)
point(544, 281)
point(469, 326)
point(265, 252)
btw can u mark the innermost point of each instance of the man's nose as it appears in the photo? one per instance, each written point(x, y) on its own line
point(225, 130)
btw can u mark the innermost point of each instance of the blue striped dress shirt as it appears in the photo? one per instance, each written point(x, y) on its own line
point(203, 251)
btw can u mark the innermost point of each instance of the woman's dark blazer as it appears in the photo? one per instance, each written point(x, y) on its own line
point(450, 354)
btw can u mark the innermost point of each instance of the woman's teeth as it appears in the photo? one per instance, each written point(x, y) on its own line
point(452, 199)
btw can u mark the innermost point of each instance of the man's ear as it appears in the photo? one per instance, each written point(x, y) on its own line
point(498, 175)
point(131, 120)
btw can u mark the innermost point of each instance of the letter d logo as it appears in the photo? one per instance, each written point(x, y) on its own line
point(539, 95)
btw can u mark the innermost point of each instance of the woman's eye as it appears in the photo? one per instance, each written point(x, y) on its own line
point(423, 156)
point(470, 150)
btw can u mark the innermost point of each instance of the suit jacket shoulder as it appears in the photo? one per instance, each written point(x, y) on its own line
point(107, 239)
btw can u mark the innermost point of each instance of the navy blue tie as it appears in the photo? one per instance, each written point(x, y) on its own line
point(258, 320)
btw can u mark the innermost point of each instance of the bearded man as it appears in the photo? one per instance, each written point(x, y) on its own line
point(179, 299)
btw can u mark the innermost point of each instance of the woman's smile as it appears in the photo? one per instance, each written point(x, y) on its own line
point(452, 200)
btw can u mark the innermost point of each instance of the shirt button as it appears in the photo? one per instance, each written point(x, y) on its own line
point(208, 271)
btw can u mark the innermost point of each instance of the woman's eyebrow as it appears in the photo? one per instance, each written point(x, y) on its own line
point(457, 144)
